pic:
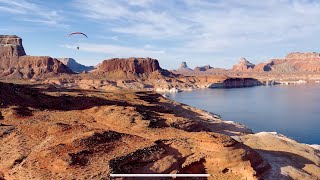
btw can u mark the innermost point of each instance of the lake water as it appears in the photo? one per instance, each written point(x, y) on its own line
point(292, 110)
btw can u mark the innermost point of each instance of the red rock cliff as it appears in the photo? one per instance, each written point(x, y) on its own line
point(14, 62)
point(243, 65)
point(10, 49)
point(293, 62)
point(133, 65)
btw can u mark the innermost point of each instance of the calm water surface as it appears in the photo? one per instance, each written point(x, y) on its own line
point(292, 110)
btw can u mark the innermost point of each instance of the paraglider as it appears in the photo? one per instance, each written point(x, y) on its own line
point(77, 33)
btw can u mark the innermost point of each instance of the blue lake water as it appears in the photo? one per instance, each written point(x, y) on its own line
point(292, 110)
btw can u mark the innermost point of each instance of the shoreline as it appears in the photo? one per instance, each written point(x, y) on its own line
point(315, 146)
point(275, 83)
point(245, 128)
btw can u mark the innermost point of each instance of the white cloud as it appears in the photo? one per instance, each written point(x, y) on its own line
point(32, 12)
point(183, 29)
point(100, 9)
point(127, 19)
point(148, 46)
point(142, 3)
point(10, 10)
point(113, 38)
point(211, 26)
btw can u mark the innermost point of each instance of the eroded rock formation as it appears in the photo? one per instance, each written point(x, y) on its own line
point(244, 65)
point(14, 63)
point(236, 83)
point(133, 65)
point(292, 63)
point(203, 68)
point(183, 68)
point(10, 49)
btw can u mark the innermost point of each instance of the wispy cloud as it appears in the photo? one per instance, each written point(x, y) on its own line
point(134, 17)
point(32, 12)
point(116, 50)
point(210, 26)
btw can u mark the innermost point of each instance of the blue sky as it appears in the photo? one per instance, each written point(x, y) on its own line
point(217, 32)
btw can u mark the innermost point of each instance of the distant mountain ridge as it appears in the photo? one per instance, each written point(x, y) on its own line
point(74, 65)
point(295, 62)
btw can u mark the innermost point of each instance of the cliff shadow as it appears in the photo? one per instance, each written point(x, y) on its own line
point(168, 108)
point(1, 116)
point(24, 97)
point(28, 97)
point(141, 160)
point(230, 129)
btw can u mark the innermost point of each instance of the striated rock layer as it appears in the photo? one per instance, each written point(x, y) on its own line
point(236, 83)
point(10, 50)
point(243, 65)
point(14, 63)
point(134, 65)
point(292, 63)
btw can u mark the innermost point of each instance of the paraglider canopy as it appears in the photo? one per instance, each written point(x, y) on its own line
point(77, 33)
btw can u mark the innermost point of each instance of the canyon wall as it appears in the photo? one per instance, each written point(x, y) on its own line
point(14, 63)
point(133, 65)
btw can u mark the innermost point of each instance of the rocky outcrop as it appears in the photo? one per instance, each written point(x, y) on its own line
point(236, 83)
point(75, 66)
point(10, 49)
point(14, 41)
point(14, 63)
point(183, 68)
point(307, 55)
point(203, 68)
point(184, 65)
point(243, 65)
point(130, 65)
point(263, 67)
point(198, 71)
point(38, 66)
